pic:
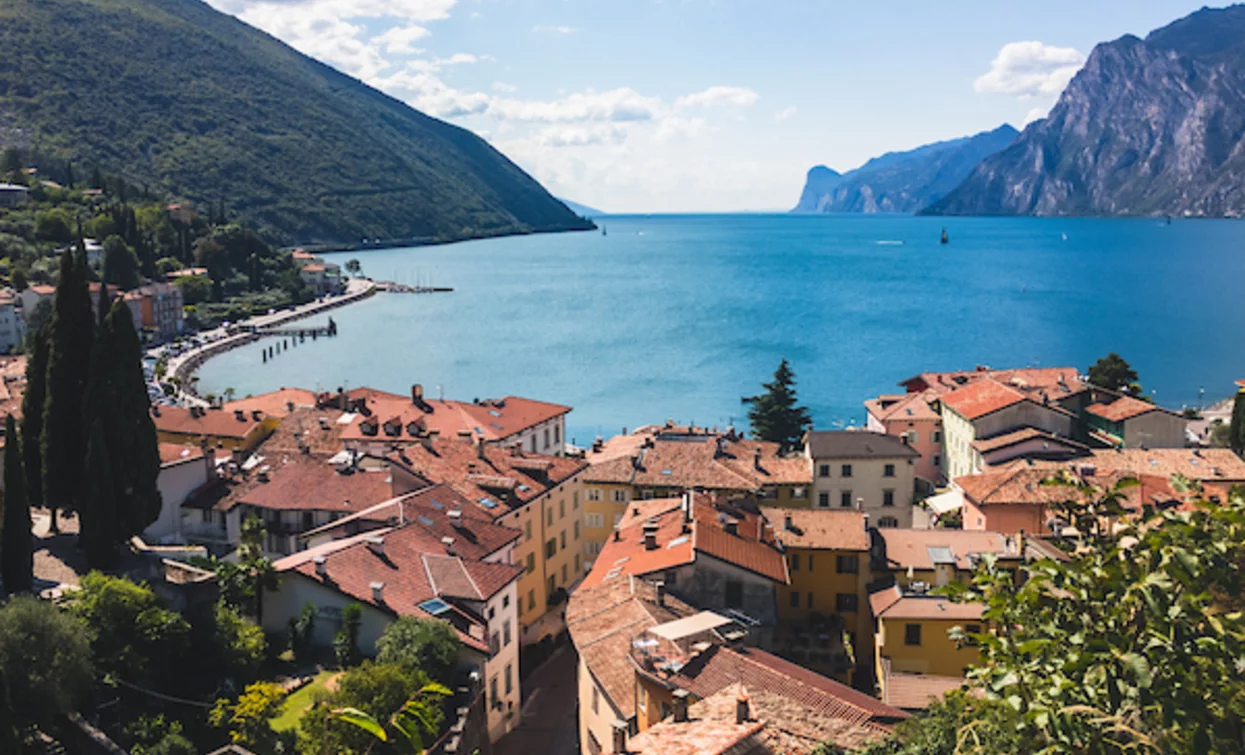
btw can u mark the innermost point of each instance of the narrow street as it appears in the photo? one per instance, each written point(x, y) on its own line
point(549, 723)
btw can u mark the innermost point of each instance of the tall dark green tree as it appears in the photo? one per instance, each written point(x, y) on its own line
point(1114, 374)
point(16, 541)
point(121, 264)
point(98, 512)
point(1236, 430)
point(775, 414)
point(32, 417)
point(70, 338)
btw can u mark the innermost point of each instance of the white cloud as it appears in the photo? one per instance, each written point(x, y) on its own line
point(399, 39)
point(548, 29)
point(504, 88)
point(422, 90)
point(617, 105)
point(675, 127)
point(582, 136)
point(1035, 114)
point(719, 96)
point(785, 113)
point(1030, 69)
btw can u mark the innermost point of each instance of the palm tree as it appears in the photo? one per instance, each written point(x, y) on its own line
point(258, 567)
point(415, 721)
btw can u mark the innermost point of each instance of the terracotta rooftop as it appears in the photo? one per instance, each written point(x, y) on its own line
point(917, 691)
point(173, 453)
point(412, 567)
point(491, 419)
point(720, 667)
point(310, 483)
point(857, 444)
point(317, 430)
point(1051, 383)
point(826, 529)
point(922, 549)
point(603, 621)
point(668, 458)
point(1023, 435)
point(1205, 464)
point(891, 603)
point(982, 397)
point(641, 510)
point(1125, 408)
point(1024, 484)
point(904, 406)
point(711, 729)
point(752, 547)
point(210, 423)
point(274, 403)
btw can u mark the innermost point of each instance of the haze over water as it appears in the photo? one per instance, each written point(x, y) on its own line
point(679, 316)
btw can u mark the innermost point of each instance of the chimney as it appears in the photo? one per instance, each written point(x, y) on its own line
point(262, 474)
point(480, 446)
point(620, 737)
point(788, 523)
point(322, 566)
point(731, 525)
point(756, 459)
point(429, 437)
point(257, 415)
point(239, 415)
point(866, 518)
point(417, 394)
point(741, 707)
point(448, 542)
point(376, 544)
point(378, 592)
point(687, 506)
point(209, 460)
point(1020, 543)
point(455, 517)
point(680, 706)
point(617, 536)
point(650, 535)
point(660, 587)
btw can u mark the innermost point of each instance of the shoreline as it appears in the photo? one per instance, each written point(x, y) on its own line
point(184, 366)
point(414, 243)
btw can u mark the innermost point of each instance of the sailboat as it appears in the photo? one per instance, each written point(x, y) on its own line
point(945, 239)
point(603, 233)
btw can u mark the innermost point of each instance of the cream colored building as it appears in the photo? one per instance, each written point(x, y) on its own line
point(871, 472)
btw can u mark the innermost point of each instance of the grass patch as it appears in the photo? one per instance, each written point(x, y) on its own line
point(298, 703)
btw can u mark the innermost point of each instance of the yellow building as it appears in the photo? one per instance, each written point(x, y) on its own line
point(667, 461)
point(824, 619)
point(541, 496)
point(912, 633)
point(235, 430)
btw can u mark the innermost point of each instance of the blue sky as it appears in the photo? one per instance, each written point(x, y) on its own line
point(707, 105)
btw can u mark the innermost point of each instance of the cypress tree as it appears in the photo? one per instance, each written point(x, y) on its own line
point(98, 515)
point(32, 418)
point(70, 336)
point(1236, 430)
point(16, 541)
point(774, 414)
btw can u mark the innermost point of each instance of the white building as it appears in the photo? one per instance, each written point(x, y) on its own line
point(12, 329)
point(872, 472)
point(184, 470)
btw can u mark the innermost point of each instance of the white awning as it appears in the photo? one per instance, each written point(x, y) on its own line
point(950, 501)
point(701, 622)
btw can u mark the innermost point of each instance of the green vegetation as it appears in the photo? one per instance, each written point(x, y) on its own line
point(346, 641)
point(775, 415)
point(16, 540)
point(1115, 374)
point(1236, 428)
point(302, 699)
point(429, 645)
point(248, 720)
point(1133, 645)
point(379, 692)
point(188, 102)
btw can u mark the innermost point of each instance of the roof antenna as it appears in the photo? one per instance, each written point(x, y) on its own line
point(440, 394)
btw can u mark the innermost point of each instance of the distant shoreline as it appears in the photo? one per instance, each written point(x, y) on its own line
point(383, 244)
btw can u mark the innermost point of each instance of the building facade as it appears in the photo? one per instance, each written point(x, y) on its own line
point(870, 472)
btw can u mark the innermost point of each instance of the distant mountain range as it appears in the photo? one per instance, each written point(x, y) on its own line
point(1147, 127)
point(179, 97)
point(582, 210)
point(901, 181)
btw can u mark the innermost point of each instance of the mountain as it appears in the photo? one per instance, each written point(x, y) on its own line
point(177, 96)
point(901, 181)
point(1147, 127)
point(582, 210)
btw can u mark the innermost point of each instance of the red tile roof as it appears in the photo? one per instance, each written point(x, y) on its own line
point(212, 423)
point(1219, 465)
point(891, 603)
point(910, 548)
point(917, 691)
point(822, 529)
point(752, 548)
point(173, 453)
point(309, 483)
point(982, 397)
point(491, 419)
point(1017, 437)
point(274, 403)
point(712, 461)
point(1024, 484)
point(905, 406)
point(1052, 383)
point(1124, 408)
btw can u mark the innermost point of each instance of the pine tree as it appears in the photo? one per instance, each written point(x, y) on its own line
point(774, 415)
point(70, 337)
point(98, 514)
point(32, 418)
point(1236, 430)
point(16, 541)
point(69, 174)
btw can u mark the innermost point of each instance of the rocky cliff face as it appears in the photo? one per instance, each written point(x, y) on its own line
point(1149, 127)
point(901, 181)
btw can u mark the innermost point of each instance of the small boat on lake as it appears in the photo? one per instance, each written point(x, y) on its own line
point(945, 238)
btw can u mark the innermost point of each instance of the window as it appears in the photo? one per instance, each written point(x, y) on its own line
point(795, 562)
point(594, 744)
point(532, 443)
point(551, 548)
point(734, 594)
point(527, 530)
point(592, 519)
point(549, 517)
point(552, 584)
point(563, 573)
point(845, 499)
point(823, 500)
point(937, 460)
point(846, 471)
point(505, 601)
point(494, 646)
point(557, 434)
point(670, 577)
point(888, 522)
point(596, 700)
point(888, 498)
point(577, 563)
point(810, 562)
point(546, 437)
point(576, 529)
point(795, 599)
point(531, 600)
point(617, 519)
point(845, 602)
point(823, 470)
point(531, 563)
point(888, 470)
point(769, 493)
point(505, 636)
point(618, 495)
point(492, 612)
point(799, 492)
point(594, 494)
point(562, 509)
point(912, 634)
point(509, 679)
point(562, 537)
point(575, 500)
point(810, 600)
point(973, 629)
point(847, 564)
point(494, 698)
point(936, 436)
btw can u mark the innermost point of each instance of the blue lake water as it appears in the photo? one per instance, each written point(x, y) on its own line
point(678, 316)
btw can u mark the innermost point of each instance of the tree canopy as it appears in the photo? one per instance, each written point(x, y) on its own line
point(775, 414)
point(428, 645)
point(16, 540)
point(1114, 374)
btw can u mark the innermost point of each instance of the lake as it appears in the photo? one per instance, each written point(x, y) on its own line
point(679, 316)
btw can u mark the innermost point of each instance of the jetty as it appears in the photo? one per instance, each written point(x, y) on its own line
point(403, 288)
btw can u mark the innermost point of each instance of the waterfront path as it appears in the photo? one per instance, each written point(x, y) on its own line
point(219, 341)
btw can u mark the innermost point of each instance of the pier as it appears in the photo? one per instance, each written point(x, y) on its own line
point(402, 288)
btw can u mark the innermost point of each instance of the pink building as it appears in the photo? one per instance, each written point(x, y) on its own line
point(911, 417)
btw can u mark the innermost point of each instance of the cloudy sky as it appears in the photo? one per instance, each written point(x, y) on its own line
point(707, 105)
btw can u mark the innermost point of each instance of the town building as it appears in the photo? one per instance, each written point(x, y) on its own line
point(1215, 466)
point(713, 553)
point(538, 495)
point(194, 425)
point(914, 693)
point(1027, 443)
point(823, 613)
point(385, 420)
point(12, 328)
point(1128, 422)
point(32, 295)
point(915, 559)
point(184, 471)
point(657, 462)
point(160, 307)
point(913, 633)
point(914, 418)
point(407, 571)
point(182, 213)
point(13, 195)
point(987, 408)
point(868, 471)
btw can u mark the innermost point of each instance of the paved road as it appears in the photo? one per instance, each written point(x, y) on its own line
point(549, 724)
